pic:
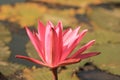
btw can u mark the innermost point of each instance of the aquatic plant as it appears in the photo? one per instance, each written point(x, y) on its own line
point(54, 46)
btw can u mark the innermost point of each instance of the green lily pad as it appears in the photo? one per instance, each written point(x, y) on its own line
point(9, 68)
point(4, 52)
point(4, 39)
point(107, 39)
point(106, 19)
point(46, 74)
point(5, 35)
point(109, 57)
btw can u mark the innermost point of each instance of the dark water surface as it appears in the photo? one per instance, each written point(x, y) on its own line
point(91, 72)
point(2, 2)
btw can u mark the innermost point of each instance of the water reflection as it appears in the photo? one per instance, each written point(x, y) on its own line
point(18, 42)
point(90, 72)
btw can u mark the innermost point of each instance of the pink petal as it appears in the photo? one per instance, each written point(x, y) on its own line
point(77, 40)
point(41, 33)
point(66, 34)
point(69, 61)
point(50, 24)
point(55, 48)
point(35, 41)
point(70, 38)
point(87, 55)
point(83, 48)
point(59, 28)
point(78, 58)
point(31, 59)
point(48, 44)
point(69, 49)
point(58, 42)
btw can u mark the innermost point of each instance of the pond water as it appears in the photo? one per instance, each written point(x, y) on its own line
point(10, 1)
point(90, 72)
point(18, 43)
point(19, 40)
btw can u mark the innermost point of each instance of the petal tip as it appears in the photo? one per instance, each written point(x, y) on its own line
point(17, 56)
point(86, 30)
point(98, 53)
point(93, 41)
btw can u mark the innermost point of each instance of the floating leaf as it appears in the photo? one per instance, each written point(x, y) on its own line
point(4, 52)
point(5, 35)
point(106, 19)
point(40, 74)
point(109, 59)
point(9, 68)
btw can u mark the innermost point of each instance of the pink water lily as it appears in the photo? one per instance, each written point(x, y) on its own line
point(54, 46)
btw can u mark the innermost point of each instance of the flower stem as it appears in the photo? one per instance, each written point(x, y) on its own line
point(55, 75)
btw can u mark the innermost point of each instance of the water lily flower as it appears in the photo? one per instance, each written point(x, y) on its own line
point(54, 46)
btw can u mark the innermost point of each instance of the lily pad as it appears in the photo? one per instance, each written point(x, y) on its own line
point(46, 74)
point(4, 39)
point(107, 39)
point(4, 52)
point(106, 19)
point(109, 57)
point(5, 35)
point(9, 68)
